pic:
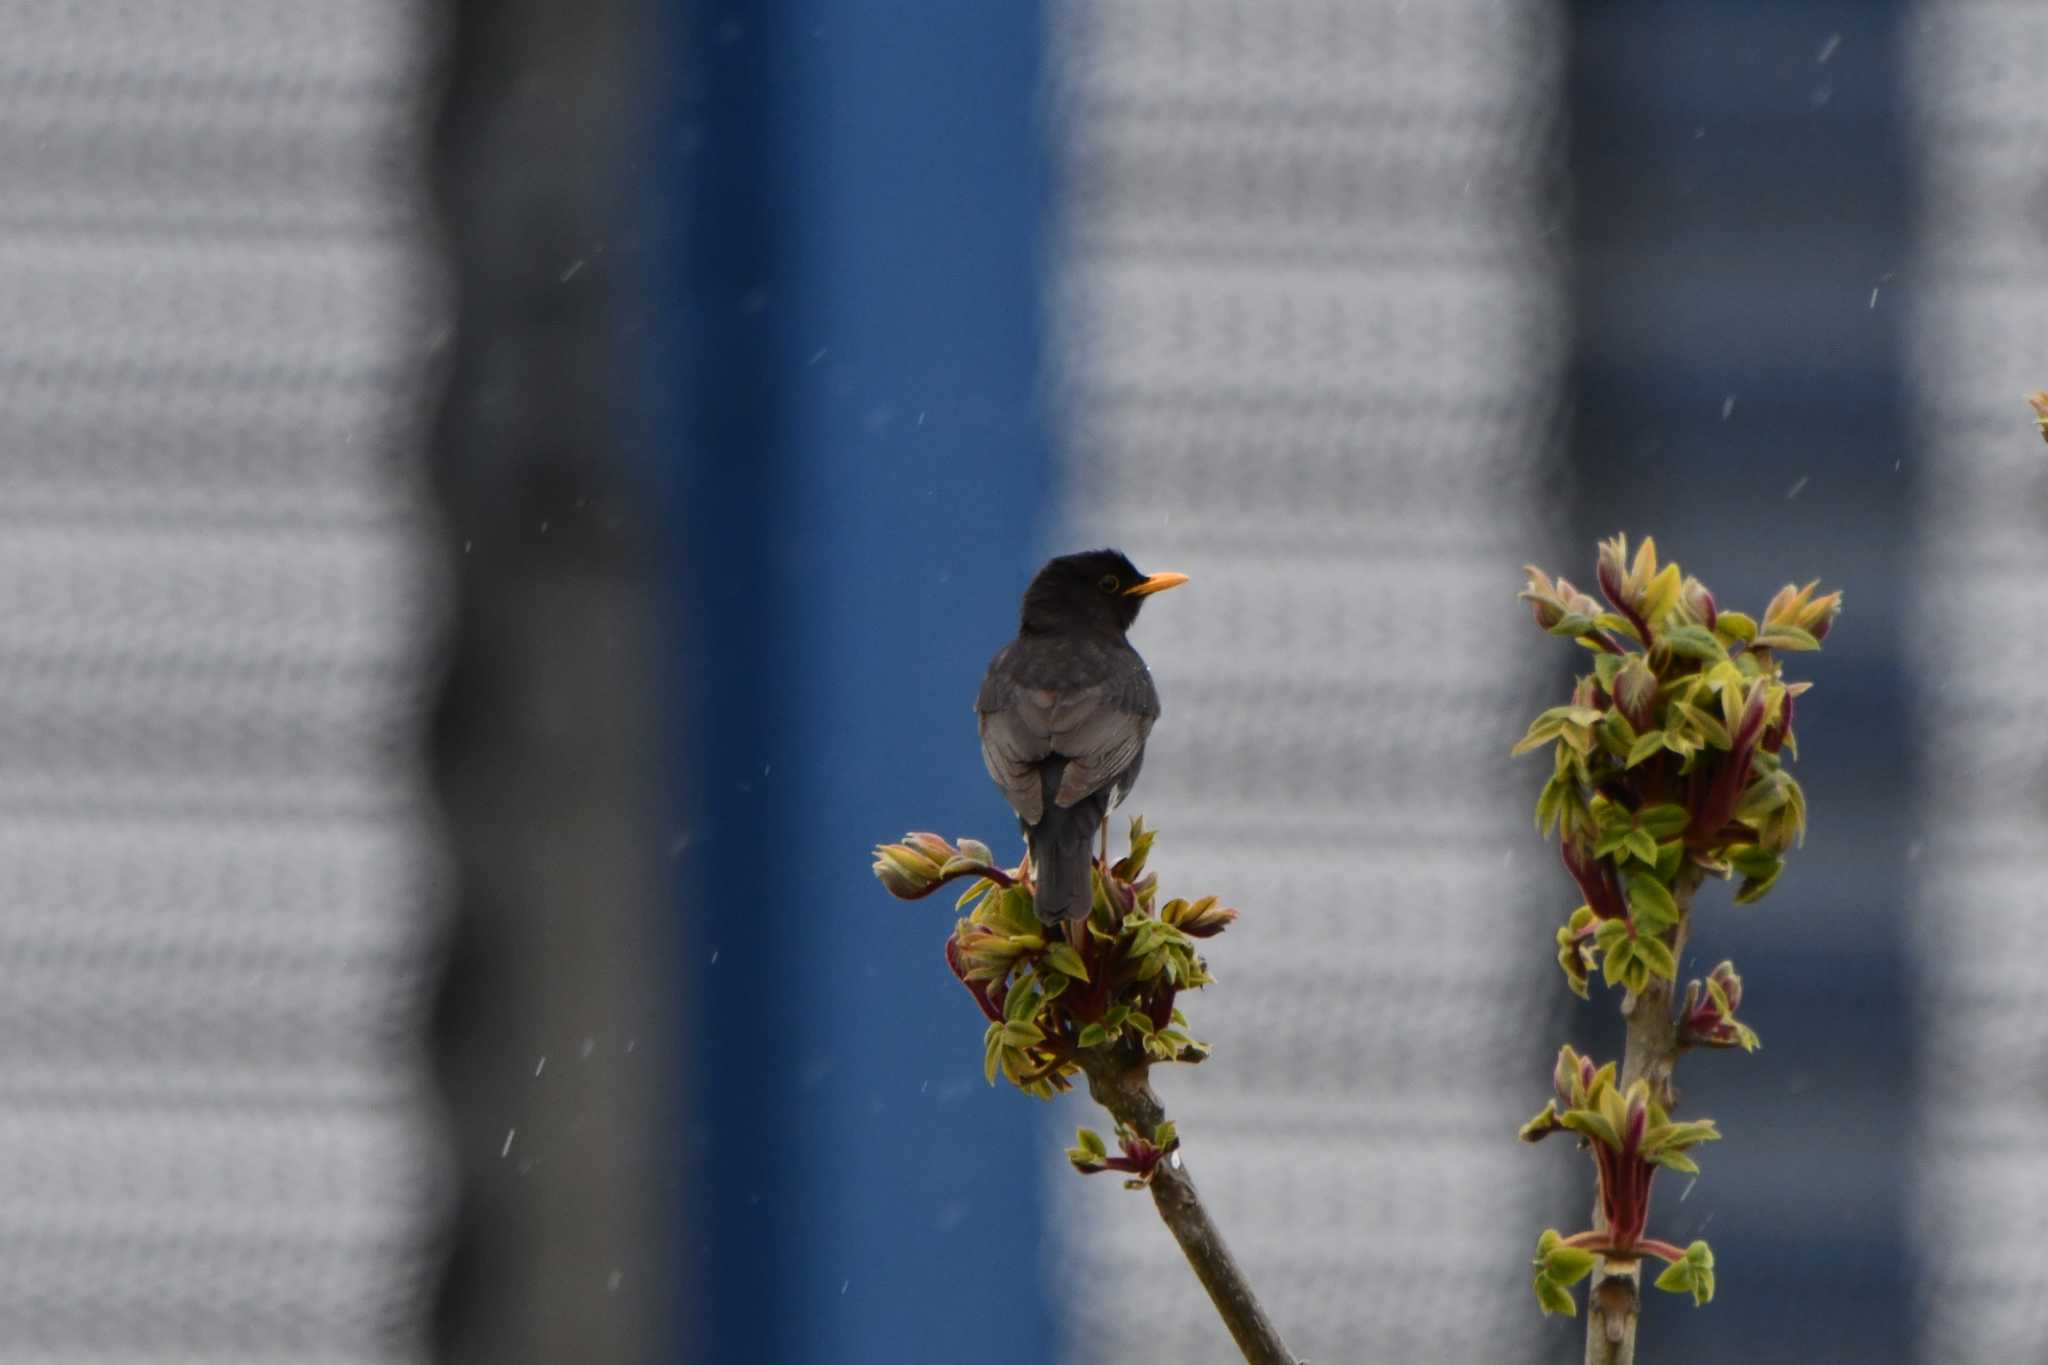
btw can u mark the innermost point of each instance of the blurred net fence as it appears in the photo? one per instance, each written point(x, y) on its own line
point(218, 887)
point(1310, 327)
point(1979, 340)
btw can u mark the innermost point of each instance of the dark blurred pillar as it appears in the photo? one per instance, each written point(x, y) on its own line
point(1742, 205)
point(554, 1027)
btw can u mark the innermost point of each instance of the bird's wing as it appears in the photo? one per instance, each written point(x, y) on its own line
point(1016, 736)
point(1101, 731)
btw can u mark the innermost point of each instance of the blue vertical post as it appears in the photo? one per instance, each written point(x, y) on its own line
point(844, 394)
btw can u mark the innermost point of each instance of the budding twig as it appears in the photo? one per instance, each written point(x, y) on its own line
point(1614, 1301)
point(1668, 763)
point(1096, 999)
point(1123, 1088)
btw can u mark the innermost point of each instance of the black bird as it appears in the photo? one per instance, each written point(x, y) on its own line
point(1064, 713)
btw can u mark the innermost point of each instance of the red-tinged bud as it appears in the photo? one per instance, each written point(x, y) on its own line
point(1820, 615)
point(931, 846)
point(2039, 403)
point(1750, 728)
point(1636, 1119)
point(1161, 1010)
point(899, 883)
point(1595, 877)
point(990, 1000)
point(1635, 693)
point(1612, 574)
point(1774, 737)
point(1701, 602)
point(1780, 605)
point(1731, 985)
point(1565, 1075)
point(1586, 692)
point(1204, 919)
point(1574, 600)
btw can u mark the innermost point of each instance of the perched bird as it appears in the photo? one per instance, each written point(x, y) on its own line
point(1064, 712)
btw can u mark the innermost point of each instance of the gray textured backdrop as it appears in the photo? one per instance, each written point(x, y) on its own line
point(216, 875)
point(1310, 332)
point(1979, 340)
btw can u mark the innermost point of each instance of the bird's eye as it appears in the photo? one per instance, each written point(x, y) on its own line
point(1110, 583)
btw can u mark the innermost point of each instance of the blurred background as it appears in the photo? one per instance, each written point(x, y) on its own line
point(506, 502)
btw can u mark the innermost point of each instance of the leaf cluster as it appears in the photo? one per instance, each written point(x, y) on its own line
point(1138, 1157)
point(1629, 1135)
point(1670, 755)
point(1109, 984)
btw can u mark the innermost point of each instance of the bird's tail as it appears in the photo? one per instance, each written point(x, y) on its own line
point(1062, 853)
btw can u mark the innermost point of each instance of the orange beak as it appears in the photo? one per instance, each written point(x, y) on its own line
point(1158, 582)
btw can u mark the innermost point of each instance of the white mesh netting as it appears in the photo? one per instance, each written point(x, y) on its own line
point(215, 879)
point(1979, 298)
point(1310, 332)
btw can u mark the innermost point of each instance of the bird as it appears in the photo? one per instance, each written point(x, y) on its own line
point(1064, 712)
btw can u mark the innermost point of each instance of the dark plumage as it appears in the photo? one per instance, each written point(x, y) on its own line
point(1064, 713)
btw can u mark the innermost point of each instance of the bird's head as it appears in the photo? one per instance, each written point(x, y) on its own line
point(1099, 589)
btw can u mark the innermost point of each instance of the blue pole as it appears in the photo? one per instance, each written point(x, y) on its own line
point(844, 388)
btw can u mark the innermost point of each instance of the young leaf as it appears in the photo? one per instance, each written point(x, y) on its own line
point(1694, 642)
point(1660, 595)
point(1604, 669)
point(1649, 900)
point(1593, 1124)
point(1737, 625)
point(1615, 968)
point(1663, 820)
point(1754, 888)
point(1568, 1265)
point(1647, 744)
point(1553, 1297)
point(1063, 957)
point(1542, 730)
point(1023, 1001)
point(1656, 955)
point(1573, 624)
point(1676, 1279)
point(1786, 637)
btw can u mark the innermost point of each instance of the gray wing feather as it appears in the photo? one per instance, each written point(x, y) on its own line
point(1100, 743)
point(1099, 730)
point(1016, 736)
point(1014, 741)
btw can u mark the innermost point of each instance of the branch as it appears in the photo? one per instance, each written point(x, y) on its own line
point(1122, 1087)
point(1614, 1300)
